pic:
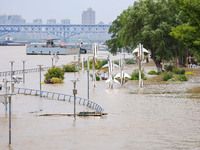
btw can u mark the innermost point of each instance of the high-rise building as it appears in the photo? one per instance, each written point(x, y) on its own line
point(88, 17)
point(11, 19)
point(65, 21)
point(51, 21)
point(37, 21)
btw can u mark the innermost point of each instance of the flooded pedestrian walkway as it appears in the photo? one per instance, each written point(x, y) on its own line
point(141, 121)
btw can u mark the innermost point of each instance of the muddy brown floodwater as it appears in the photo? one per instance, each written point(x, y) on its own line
point(158, 117)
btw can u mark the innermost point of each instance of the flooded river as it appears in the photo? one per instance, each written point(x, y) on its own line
point(134, 121)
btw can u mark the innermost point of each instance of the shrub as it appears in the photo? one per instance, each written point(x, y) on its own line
point(152, 72)
point(135, 75)
point(69, 68)
point(177, 71)
point(182, 71)
point(97, 78)
point(190, 73)
point(180, 78)
point(169, 68)
point(103, 62)
point(116, 62)
point(98, 64)
point(56, 80)
point(167, 76)
point(129, 61)
point(54, 72)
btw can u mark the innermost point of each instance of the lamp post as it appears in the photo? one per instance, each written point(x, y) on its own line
point(40, 67)
point(74, 93)
point(23, 71)
point(83, 63)
point(74, 65)
point(79, 54)
point(11, 76)
point(6, 95)
point(88, 81)
point(52, 61)
point(9, 101)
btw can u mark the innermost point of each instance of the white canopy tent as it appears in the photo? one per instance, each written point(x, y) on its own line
point(137, 50)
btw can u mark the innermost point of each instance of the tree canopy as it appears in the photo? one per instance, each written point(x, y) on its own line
point(148, 22)
point(189, 32)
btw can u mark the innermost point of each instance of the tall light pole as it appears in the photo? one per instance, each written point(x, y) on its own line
point(83, 63)
point(74, 93)
point(80, 42)
point(11, 76)
point(23, 71)
point(9, 101)
point(40, 67)
point(88, 85)
point(52, 57)
point(74, 65)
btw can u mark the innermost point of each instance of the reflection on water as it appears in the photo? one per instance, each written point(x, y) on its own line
point(135, 121)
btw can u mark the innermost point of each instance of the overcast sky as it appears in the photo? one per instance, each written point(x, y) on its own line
point(106, 10)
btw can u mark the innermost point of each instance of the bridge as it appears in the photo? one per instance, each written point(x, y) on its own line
point(60, 31)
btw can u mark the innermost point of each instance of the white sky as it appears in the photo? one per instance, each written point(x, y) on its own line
point(106, 10)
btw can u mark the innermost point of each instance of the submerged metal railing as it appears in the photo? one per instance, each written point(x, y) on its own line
point(62, 97)
point(15, 72)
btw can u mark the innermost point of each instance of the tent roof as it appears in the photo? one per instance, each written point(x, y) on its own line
point(137, 49)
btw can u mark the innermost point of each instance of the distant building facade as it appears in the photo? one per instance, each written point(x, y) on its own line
point(65, 21)
point(37, 21)
point(51, 21)
point(12, 19)
point(88, 17)
point(101, 23)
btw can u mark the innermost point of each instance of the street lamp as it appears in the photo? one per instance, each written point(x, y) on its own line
point(80, 42)
point(52, 57)
point(74, 93)
point(14, 80)
point(88, 81)
point(23, 71)
point(11, 75)
point(74, 65)
point(40, 67)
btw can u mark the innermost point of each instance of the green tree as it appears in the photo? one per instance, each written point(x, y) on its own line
point(147, 22)
point(189, 32)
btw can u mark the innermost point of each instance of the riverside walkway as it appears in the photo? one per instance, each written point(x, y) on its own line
point(61, 97)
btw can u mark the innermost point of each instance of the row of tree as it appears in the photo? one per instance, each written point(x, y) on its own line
point(165, 27)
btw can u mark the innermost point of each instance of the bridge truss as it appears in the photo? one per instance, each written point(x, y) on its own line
point(60, 31)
